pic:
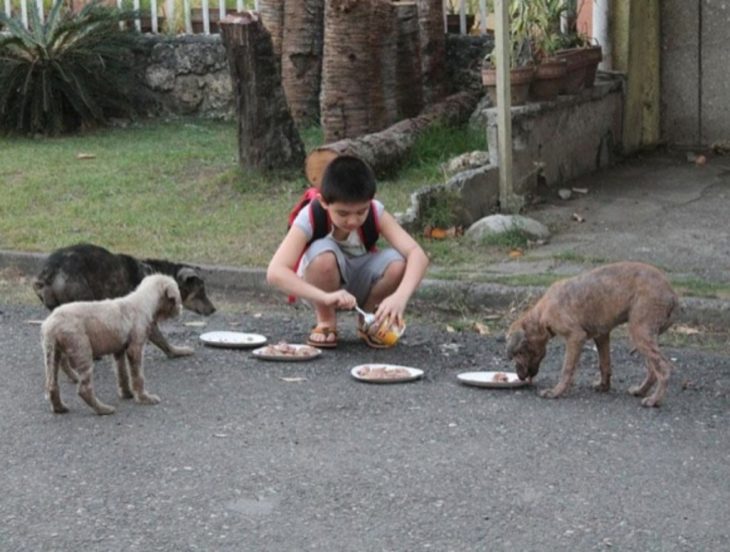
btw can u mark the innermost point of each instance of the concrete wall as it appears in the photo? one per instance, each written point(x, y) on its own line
point(554, 142)
point(695, 74)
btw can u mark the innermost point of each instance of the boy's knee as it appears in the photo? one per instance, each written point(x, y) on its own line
point(324, 264)
point(394, 271)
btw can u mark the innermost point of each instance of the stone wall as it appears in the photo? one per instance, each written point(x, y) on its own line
point(188, 75)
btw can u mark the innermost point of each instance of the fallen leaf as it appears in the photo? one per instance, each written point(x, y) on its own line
point(685, 330)
point(34, 322)
point(578, 218)
point(701, 160)
point(580, 190)
point(438, 233)
point(85, 156)
point(220, 435)
point(450, 329)
point(292, 379)
point(481, 329)
point(515, 253)
point(257, 315)
point(195, 324)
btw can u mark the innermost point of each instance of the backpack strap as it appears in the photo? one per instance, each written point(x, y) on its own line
point(319, 219)
point(370, 230)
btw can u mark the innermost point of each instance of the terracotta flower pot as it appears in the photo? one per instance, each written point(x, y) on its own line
point(520, 79)
point(576, 61)
point(594, 56)
point(549, 77)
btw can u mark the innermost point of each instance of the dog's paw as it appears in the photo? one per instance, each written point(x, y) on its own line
point(104, 409)
point(637, 391)
point(649, 402)
point(601, 387)
point(549, 394)
point(147, 398)
point(59, 409)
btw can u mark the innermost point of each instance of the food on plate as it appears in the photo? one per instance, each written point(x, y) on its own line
point(500, 377)
point(383, 372)
point(285, 349)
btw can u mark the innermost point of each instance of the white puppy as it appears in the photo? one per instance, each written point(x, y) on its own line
point(87, 330)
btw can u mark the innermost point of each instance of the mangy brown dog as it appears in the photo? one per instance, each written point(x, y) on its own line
point(589, 306)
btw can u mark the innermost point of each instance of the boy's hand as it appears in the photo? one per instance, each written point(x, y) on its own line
point(391, 309)
point(340, 299)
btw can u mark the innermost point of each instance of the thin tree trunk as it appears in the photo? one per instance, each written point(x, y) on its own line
point(387, 149)
point(433, 49)
point(409, 82)
point(301, 59)
point(267, 137)
point(272, 15)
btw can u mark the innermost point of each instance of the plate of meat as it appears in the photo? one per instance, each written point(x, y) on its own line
point(491, 379)
point(385, 373)
point(232, 340)
point(287, 352)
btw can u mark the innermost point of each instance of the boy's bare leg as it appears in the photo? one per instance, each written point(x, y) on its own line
point(387, 284)
point(323, 272)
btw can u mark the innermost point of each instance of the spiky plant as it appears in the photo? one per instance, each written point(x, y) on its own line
point(73, 71)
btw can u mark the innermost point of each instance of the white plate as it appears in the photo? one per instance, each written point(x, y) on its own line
point(265, 353)
point(486, 379)
point(413, 373)
point(232, 340)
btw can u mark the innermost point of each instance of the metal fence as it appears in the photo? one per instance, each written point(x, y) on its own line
point(202, 16)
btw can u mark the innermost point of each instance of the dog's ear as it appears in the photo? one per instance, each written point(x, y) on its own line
point(515, 342)
point(187, 273)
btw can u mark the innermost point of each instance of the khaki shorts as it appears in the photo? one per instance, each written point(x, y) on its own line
point(358, 274)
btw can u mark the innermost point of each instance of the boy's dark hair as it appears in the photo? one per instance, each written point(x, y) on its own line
point(348, 179)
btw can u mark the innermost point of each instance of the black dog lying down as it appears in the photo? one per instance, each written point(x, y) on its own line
point(86, 272)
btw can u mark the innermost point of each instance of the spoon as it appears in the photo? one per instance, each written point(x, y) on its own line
point(367, 318)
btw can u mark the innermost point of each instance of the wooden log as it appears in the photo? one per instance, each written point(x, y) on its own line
point(345, 69)
point(267, 136)
point(301, 58)
point(433, 49)
point(272, 15)
point(409, 81)
point(386, 149)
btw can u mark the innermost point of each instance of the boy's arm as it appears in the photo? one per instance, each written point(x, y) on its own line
point(416, 264)
point(281, 274)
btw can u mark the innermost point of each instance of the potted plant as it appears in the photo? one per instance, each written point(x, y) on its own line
point(522, 67)
point(545, 34)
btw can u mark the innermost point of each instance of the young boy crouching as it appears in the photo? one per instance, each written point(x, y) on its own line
point(340, 267)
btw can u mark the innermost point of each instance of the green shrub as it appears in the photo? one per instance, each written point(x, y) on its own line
point(75, 70)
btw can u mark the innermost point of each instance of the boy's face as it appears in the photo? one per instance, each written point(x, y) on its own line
point(347, 216)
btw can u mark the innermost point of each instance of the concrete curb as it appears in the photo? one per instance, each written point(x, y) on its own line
point(445, 295)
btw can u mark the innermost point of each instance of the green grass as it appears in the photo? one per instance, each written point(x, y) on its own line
point(169, 189)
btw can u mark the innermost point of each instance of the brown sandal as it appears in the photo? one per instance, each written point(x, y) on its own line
point(329, 340)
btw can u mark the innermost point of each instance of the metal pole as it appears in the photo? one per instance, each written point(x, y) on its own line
point(602, 31)
point(504, 105)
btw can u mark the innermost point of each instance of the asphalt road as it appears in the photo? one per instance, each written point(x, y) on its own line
point(236, 458)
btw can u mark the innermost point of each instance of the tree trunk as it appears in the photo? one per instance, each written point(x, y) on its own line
point(267, 137)
point(433, 49)
point(345, 69)
point(272, 16)
point(301, 59)
point(386, 149)
point(409, 81)
point(383, 27)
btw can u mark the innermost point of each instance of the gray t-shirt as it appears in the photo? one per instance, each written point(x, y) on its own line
point(352, 245)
